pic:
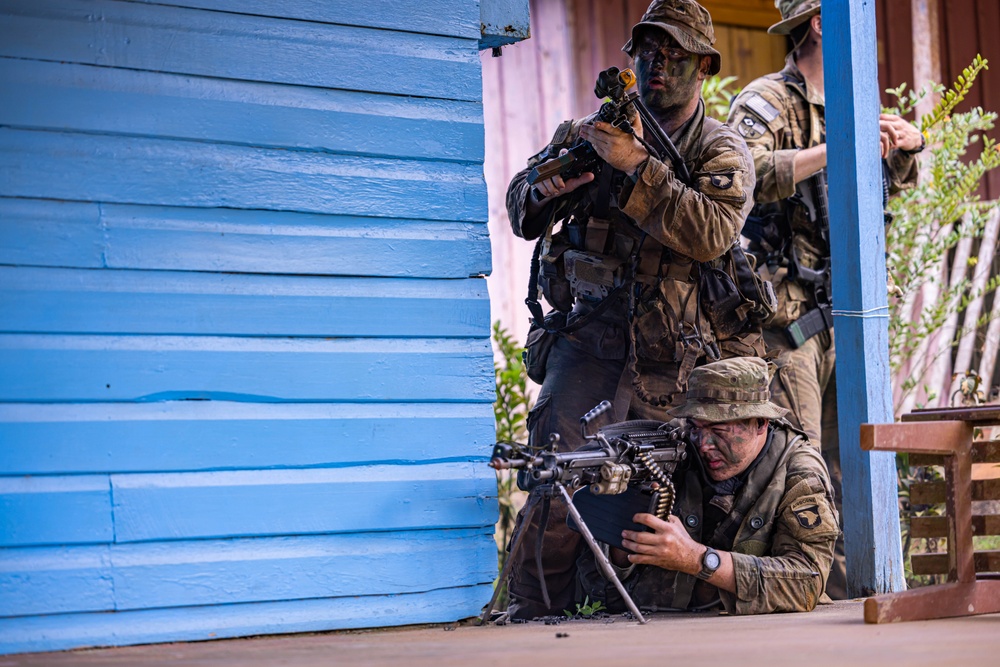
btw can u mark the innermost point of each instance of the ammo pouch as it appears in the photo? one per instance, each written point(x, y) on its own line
point(591, 275)
point(671, 323)
point(552, 274)
point(539, 344)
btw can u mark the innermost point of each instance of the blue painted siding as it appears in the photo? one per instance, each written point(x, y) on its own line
point(244, 337)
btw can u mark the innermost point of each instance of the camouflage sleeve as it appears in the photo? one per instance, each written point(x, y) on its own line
point(756, 114)
point(903, 170)
point(793, 575)
point(700, 222)
point(518, 190)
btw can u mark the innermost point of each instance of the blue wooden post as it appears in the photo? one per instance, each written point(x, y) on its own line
point(864, 395)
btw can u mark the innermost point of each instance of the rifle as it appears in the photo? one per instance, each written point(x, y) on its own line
point(812, 195)
point(633, 457)
point(612, 85)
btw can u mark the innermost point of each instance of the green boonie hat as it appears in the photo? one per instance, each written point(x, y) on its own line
point(687, 22)
point(793, 14)
point(728, 390)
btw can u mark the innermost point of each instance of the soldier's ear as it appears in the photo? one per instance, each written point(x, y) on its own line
point(704, 67)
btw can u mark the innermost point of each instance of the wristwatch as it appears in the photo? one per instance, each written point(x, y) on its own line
point(710, 562)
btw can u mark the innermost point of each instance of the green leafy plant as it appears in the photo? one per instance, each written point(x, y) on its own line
point(717, 94)
point(511, 409)
point(928, 223)
point(930, 219)
point(585, 610)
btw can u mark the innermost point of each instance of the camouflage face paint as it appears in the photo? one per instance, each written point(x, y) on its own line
point(668, 75)
point(727, 448)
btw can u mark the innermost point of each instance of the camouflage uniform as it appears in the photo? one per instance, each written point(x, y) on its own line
point(778, 115)
point(777, 517)
point(679, 231)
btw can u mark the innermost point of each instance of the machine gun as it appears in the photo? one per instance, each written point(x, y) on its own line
point(632, 459)
point(612, 86)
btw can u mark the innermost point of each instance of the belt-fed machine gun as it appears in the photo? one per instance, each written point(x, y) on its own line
point(623, 468)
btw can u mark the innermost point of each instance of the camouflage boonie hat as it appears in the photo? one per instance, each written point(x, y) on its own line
point(728, 390)
point(687, 22)
point(793, 14)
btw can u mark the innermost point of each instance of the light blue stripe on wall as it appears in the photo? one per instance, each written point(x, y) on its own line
point(185, 41)
point(51, 633)
point(142, 302)
point(155, 171)
point(434, 17)
point(164, 436)
point(74, 234)
point(128, 368)
point(55, 510)
point(58, 96)
point(171, 574)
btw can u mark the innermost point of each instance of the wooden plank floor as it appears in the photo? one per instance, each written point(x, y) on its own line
point(831, 635)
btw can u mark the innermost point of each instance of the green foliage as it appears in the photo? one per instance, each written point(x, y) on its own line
point(928, 222)
point(511, 412)
point(586, 610)
point(717, 95)
point(931, 218)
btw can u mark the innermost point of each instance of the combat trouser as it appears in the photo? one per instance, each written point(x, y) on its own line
point(806, 384)
point(583, 369)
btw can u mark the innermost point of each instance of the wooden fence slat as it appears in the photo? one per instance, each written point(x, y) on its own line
point(150, 368)
point(931, 493)
point(37, 232)
point(66, 631)
point(55, 580)
point(55, 510)
point(937, 526)
point(174, 506)
point(104, 100)
point(189, 41)
point(937, 563)
point(164, 303)
point(436, 17)
point(129, 170)
point(983, 451)
point(46, 439)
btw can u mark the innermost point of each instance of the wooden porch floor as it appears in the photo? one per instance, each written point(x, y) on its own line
point(831, 635)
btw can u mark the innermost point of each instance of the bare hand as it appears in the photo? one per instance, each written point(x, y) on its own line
point(897, 133)
point(618, 148)
point(669, 546)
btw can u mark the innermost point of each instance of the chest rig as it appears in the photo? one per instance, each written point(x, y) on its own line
point(678, 310)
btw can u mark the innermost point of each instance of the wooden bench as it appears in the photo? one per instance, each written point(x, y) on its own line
point(945, 437)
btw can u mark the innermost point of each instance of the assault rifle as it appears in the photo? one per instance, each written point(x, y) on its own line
point(621, 465)
point(612, 86)
point(812, 195)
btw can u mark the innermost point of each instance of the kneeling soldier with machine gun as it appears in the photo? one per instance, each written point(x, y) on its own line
point(753, 526)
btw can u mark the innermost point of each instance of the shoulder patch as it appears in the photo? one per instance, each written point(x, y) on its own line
point(750, 127)
point(756, 103)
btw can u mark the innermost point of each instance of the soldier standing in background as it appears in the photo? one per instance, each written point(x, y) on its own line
point(626, 255)
point(782, 118)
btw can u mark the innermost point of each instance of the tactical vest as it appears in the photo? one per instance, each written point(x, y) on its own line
point(679, 311)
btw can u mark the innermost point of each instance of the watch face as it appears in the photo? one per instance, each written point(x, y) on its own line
point(712, 560)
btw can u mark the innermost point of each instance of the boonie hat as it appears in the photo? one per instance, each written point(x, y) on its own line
point(729, 390)
point(687, 22)
point(793, 14)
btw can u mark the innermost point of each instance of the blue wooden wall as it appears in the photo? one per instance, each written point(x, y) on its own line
point(245, 371)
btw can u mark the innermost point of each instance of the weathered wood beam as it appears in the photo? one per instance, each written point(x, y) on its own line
point(944, 601)
point(864, 395)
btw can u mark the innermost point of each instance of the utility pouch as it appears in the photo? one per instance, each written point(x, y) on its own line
point(668, 324)
point(552, 274)
point(756, 290)
point(592, 276)
point(539, 344)
point(722, 302)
